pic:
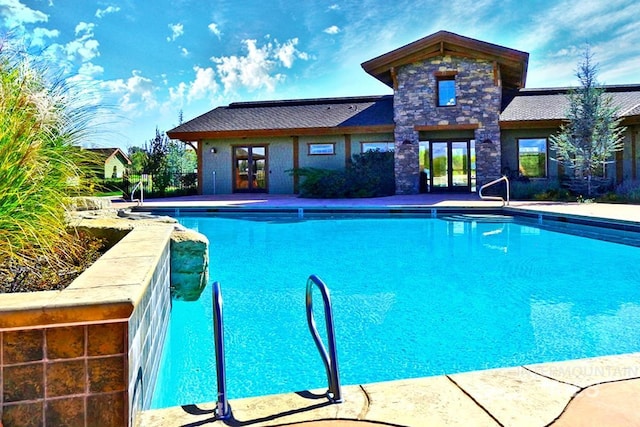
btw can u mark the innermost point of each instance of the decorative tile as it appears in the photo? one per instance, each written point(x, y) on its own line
point(65, 343)
point(24, 382)
point(106, 410)
point(107, 374)
point(66, 378)
point(22, 346)
point(67, 412)
point(106, 339)
point(23, 415)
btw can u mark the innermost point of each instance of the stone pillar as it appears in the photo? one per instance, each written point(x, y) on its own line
point(488, 155)
point(407, 169)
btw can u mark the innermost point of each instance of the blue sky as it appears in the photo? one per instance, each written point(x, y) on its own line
point(148, 60)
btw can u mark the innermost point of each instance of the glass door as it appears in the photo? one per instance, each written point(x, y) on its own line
point(250, 169)
point(439, 166)
point(451, 165)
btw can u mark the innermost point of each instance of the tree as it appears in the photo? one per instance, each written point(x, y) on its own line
point(592, 132)
point(157, 163)
point(138, 157)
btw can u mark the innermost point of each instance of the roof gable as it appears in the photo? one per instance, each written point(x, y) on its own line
point(107, 153)
point(513, 63)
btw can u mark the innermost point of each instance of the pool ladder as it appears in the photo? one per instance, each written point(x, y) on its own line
point(329, 358)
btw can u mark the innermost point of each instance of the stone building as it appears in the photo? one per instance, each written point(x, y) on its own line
point(459, 116)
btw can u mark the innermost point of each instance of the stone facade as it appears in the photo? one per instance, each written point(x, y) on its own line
point(479, 98)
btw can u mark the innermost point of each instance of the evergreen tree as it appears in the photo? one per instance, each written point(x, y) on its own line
point(592, 132)
point(157, 163)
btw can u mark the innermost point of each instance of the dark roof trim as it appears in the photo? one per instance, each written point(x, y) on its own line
point(309, 101)
point(265, 133)
point(447, 43)
point(565, 90)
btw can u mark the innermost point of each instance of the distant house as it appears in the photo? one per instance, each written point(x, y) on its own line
point(459, 117)
point(116, 163)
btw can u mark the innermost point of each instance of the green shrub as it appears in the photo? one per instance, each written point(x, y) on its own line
point(538, 190)
point(628, 191)
point(369, 174)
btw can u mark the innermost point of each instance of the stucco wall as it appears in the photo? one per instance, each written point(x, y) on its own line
point(510, 148)
point(110, 163)
point(280, 159)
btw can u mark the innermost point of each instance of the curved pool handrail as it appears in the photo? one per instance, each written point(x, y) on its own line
point(498, 198)
point(223, 410)
point(330, 358)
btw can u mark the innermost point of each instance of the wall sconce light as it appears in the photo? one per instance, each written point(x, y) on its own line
point(213, 151)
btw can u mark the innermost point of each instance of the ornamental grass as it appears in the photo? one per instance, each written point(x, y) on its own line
point(42, 123)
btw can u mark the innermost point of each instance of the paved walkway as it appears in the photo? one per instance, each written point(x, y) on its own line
point(601, 391)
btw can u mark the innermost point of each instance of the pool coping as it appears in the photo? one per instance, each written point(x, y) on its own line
point(574, 392)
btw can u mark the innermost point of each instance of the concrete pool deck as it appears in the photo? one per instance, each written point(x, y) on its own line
point(585, 392)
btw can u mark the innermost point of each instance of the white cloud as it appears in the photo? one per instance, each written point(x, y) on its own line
point(176, 31)
point(85, 29)
point(334, 7)
point(40, 35)
point(256, 69)
point(110, 9)
point(184, 51)
point(85, 47)
point(91, 70)
point(287, 52)
point(16, 14)
point(332, 30)
point(134, 95)
point(204, 85)
point(213, 27)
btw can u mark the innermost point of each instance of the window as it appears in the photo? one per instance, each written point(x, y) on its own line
point(380, 146)
point(446, 91)
point(532, 157)
point(322, 149)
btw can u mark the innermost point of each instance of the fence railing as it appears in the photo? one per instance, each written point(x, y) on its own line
point(165, 185)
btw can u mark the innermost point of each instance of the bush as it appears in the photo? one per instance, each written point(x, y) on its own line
point(42, 122)
point(369, 174)
point(538, 190)
point(628, 191)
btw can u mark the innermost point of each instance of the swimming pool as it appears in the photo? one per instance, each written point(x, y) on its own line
point(412, 297)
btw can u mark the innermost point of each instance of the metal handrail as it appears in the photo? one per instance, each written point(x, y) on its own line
point(489, 184)
point(329, 359)
point(223, 410)
point(135, 187)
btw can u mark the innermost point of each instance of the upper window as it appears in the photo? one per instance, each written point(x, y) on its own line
point(380, 146)
point(446, 91)
point(316, 149)
point(532, 157)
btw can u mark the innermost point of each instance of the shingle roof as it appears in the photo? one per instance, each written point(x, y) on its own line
point(293, 114)
point(552, 104)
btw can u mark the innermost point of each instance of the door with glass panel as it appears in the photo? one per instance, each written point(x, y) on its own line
point(451, 166)
point(250, 169)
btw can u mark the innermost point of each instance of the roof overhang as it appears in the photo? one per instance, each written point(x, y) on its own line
point(513, 63)
point(288, 132)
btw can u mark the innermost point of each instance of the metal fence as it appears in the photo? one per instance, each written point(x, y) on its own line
point(154, 186)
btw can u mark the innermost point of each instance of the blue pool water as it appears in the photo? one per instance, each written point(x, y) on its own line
point(412, 297)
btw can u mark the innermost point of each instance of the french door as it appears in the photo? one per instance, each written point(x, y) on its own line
point(447, 166)
point(250, 169)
